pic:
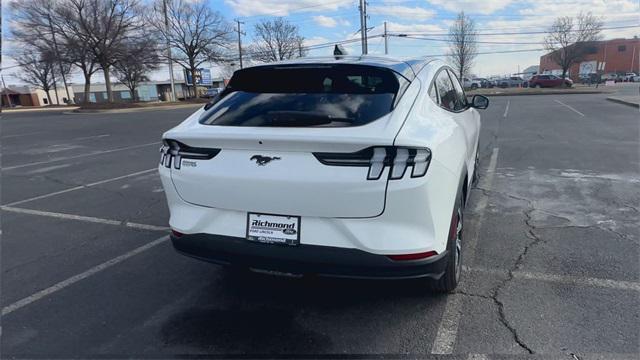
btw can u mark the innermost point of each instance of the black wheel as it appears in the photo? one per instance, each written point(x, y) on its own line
point(449, 280)
point(474, 86)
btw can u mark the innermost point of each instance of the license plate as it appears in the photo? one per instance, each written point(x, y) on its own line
point(273, 229)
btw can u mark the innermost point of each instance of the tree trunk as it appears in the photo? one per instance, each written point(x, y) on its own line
point(48, 96)
point(193, 81)
point(107, 82)
point(134, 96)
point(87, 88)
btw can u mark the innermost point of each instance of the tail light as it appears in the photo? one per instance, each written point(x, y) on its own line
point(376, 158)
point(415, 256)
point(173, 151)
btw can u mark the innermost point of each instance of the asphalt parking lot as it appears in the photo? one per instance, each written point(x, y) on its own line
point(551, 250)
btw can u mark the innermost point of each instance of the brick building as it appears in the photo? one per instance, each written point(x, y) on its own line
point(603, 57)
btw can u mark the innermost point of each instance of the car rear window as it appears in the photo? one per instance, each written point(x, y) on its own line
point(320, 95)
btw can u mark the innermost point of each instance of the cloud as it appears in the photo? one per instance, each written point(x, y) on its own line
point(404, 12)
point(315, 40)
point(573, 7)
point(472, 6)
point(284, 7)
point(325, 21)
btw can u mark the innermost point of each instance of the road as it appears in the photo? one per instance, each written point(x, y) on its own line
point(551, 251)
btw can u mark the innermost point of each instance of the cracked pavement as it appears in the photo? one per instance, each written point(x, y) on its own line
point(555, 272)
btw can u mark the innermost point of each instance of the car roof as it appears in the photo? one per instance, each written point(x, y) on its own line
point(405, 67)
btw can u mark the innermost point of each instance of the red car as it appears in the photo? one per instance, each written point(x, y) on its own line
point(538, 81)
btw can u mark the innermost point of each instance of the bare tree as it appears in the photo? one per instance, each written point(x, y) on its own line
point(463, 48)
point(138, 57)
point(33, 25)
point(39, 69)
point(38, 22)
point(195, 33)
point(78, 53)
point(103, 25)
point(568, 40)
point(276, 40)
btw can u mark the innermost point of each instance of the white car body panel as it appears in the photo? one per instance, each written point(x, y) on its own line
point(338, 206)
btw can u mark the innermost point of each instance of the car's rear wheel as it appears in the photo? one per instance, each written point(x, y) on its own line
point(449, 280)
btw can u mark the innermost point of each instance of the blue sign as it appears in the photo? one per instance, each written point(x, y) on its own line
point(203, 77)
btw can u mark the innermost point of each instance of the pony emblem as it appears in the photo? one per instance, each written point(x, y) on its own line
point(263, 160)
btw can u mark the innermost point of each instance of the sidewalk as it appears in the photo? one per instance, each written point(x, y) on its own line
point(626, 100)
point(43, 108)
point(135, 109)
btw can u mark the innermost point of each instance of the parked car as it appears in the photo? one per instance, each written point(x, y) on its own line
point(513, 81)
point(358, 168)
point(210, 93)
point(611, 76)
point(540, 81)
point(472, 83)
point(484, 83)
point(636, 78)
point(629, 76)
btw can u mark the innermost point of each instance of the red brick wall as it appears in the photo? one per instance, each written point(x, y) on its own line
point(616, 61)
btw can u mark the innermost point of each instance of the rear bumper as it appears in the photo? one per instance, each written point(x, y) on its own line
point(304, 259)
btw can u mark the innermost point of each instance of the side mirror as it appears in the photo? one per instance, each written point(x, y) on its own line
point(480, 102)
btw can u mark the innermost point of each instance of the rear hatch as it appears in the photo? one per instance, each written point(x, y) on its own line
point(268, 144)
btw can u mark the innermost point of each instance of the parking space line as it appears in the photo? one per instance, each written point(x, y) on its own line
point(80, 187)
point(74, 279)
point(79, 156)
point(477, 357)
point(562, 279)
point(569, 107)
point(506, 109)
point(90, 219)
point(581, 281)
point(448, 328)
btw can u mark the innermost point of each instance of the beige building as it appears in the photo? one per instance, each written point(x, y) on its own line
point(20, 95)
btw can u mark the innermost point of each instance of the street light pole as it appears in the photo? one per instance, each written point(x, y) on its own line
point(363, 25)
point(166, 27)
point(386, 45)
point(55, 47)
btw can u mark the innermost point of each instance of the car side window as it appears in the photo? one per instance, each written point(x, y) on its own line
point(433, 93)
point(446, 92)
point(461, 99)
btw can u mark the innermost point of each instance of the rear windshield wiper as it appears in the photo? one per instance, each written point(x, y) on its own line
point(304, 118)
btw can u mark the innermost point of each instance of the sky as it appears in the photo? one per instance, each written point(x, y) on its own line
point(501, 21)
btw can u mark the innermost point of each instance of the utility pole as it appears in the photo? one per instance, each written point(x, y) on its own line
point(6, 91)
point(166, 28)
point(55, 48)
point(363, 25)
point(386, 45)
point(240, 33)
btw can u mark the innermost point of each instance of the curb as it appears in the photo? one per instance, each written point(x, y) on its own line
point(624, 102)
point(126, 110)
point(40, 109)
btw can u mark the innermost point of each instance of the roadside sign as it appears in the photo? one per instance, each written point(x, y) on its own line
point(203, 77)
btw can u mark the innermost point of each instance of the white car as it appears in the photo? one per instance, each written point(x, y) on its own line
point(353, 167)
point(471, 83)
